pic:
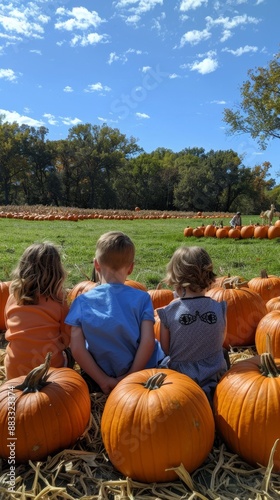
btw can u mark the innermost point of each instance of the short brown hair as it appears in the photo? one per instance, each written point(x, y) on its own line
point(115, 250)
point(190, 267)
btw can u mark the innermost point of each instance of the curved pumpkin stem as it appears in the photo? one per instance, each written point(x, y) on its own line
point(37, 378)
point(268, 367)
point(155, 381)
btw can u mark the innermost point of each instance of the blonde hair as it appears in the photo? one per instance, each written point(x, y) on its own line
point(38, 272)
point(115, 250)
point(190, 267)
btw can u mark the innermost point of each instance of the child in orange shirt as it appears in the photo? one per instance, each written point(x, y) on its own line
point(35, 311)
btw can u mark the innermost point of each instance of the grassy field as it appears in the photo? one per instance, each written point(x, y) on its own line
point(155, 242)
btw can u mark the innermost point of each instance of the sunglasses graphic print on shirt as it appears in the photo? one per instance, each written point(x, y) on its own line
point(208, 317)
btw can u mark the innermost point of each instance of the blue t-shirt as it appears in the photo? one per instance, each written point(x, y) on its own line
point(110, 316)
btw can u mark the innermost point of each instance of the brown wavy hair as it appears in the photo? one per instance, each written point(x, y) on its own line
point(39, 272)
point(190, 267)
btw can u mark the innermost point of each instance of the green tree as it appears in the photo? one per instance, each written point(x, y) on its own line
point(13, 164)
point(98, 154)
point(259, 111)
point(211, 182)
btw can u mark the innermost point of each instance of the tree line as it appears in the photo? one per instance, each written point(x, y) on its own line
point(99, 167)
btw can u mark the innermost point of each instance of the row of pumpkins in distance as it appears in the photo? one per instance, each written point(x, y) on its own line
point(78, 214)
point(159, 434)
point(239, 232)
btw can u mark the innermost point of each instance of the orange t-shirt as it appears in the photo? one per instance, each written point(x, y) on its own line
point(33, 331)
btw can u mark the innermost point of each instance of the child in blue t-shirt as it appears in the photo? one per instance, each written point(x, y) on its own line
point(112, 331)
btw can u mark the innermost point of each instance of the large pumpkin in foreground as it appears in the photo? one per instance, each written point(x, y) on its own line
point(154, 420)
point(49, 418)
point(247, 409)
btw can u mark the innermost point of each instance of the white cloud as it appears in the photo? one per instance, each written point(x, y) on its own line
point(13, 116)
point(142, 116)
point(194, 37)
point(134, 51)
point(123, 57)
point(36, 52)
point(138, 6)
point(241, 50)
point(113, 57)
point(207, 65)
point(226, 35)
point(146, 69)
point(173, 76)
point(79, 18)
point(97, 87)
point(67, 89)
point(26, 20)
point(228, 24)
point(70, 121)
point(8, 74)
point(218, 102)
point(89, 39)
point(106, 120)
point(50, 119)
point(132, 19)
point(192, 4)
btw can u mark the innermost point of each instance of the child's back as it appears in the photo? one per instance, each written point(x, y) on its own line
point(35, 311)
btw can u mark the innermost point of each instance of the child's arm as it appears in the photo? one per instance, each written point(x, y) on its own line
point(87, 363)
point(146, 347)
point(164, 338)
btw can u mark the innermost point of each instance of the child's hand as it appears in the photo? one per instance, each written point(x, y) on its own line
point(108, 384)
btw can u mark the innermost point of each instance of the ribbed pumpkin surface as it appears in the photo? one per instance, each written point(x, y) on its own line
point(148, 431)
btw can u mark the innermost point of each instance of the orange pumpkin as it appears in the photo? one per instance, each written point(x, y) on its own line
point(273, 304)
point(161, 296)
point(260, 232)
point(210, 230)
point(82, 287)
point(247, 231)
point(198, 232)
point(269, 325)
point(43, 413)
point(222, 232)
point(136, 284)
point(245, 308)
point(188, 231)
point(268, 286)
point(247, 408)
point(234, 233)
point(273, 232)
point(155, 420)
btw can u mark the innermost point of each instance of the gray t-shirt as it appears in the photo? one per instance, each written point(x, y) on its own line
point(197, 330)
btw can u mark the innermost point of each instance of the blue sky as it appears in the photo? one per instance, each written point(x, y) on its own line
point(161, 71)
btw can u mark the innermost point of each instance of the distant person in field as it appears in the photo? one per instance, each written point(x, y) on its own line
point(112, 331)
point(236, 220)
point(193, 327)
point(35, 311)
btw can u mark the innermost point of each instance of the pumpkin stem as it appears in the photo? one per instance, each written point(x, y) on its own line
point(37, 378)
point(268, 367)
point(264, 273)
point(155, 381)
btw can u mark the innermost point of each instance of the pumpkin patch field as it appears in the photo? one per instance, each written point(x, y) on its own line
point(155, 436)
